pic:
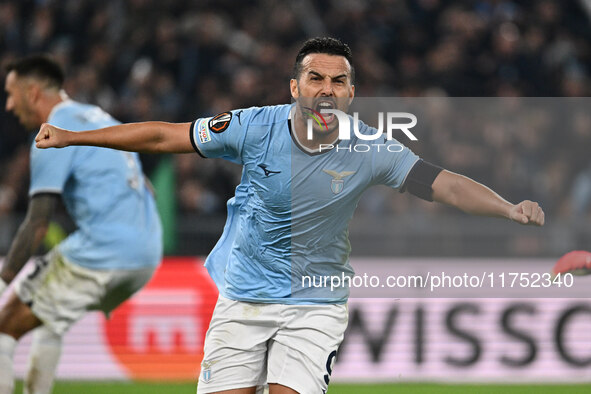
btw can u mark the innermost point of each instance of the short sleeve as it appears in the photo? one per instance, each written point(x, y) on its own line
point(50, 169)
point(392, 163)
point(221, 136)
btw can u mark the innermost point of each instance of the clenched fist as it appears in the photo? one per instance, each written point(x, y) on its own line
point(527, 212)
point(51, 137)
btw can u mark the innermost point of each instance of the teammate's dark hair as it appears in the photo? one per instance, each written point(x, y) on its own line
point(40, 67)
point(327, 45)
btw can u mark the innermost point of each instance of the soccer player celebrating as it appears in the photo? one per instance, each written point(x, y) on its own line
point(118, 241)
point(289, 218)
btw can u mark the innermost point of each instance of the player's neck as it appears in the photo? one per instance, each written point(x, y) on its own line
point(50, 102)
point(300, 133)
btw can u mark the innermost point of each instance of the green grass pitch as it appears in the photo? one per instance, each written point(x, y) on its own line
point(418, 388)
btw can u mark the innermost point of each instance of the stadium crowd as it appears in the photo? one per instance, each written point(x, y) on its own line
point(178, 60)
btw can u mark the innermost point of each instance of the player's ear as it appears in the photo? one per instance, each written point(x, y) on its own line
point(293, 87)
point(351, 94)
point(33, 92)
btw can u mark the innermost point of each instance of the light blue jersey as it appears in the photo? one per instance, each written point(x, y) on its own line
point(291, 211)
point(104, 192)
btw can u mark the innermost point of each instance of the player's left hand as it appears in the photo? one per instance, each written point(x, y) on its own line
point(527, 212)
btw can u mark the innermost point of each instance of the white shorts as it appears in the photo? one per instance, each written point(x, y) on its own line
point(59, 292)
point(249, 344)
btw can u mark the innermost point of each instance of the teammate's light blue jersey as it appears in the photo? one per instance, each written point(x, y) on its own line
point(104, 192)
point(290, 215)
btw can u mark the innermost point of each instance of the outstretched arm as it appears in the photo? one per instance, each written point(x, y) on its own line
point(474, 198)
point(146, 137)
point(29, 235)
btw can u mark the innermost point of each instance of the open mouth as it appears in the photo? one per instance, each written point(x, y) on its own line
point(325, 104)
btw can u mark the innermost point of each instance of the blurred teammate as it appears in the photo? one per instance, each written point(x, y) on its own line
point(110, 256)
point(289, 218)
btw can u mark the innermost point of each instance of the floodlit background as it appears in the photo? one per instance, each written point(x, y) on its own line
point(178, 60)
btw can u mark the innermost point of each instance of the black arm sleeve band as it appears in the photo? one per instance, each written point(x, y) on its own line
point(420, 179)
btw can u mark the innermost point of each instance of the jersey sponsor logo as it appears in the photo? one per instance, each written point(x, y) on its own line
point(220, 122)
point(268, 172)
point(337, 183)
point(203, 132)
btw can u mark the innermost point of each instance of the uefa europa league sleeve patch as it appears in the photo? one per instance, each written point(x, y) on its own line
point(220, 122)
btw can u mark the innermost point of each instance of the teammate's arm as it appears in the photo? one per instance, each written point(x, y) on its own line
point(474, 198)
point(29, 235)
point(145, 137)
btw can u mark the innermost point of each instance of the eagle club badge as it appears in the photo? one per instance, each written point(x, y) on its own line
point(206, 370)
point(338, 182)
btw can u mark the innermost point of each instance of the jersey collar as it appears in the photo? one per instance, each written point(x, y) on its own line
point(307, 151)
point(57, 107)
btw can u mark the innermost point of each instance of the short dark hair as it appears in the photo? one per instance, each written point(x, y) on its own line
point(40, 67)
point(327, 45)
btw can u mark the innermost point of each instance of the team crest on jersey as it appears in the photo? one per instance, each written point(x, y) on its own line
point(203, 132)
point(338, 182)
point(206, 370)
point(220, 122)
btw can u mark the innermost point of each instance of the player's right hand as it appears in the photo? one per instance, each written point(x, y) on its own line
point(527, 212)
point(51, 137)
